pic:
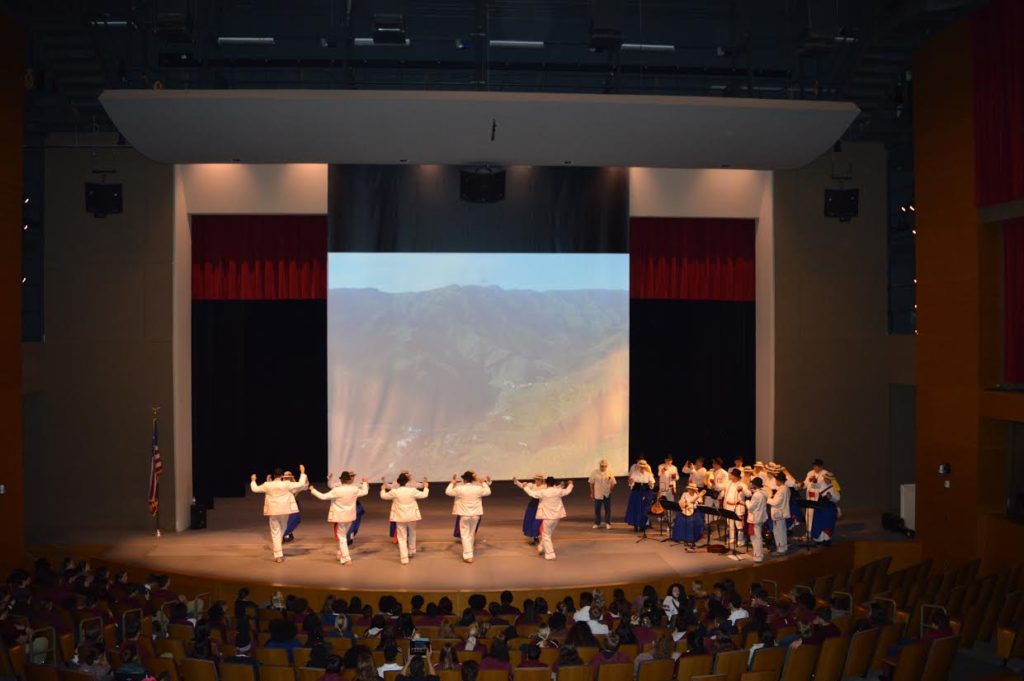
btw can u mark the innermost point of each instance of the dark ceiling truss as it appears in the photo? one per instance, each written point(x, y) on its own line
point(855, 50)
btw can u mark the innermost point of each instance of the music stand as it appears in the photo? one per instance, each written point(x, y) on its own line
point(730, 539)
point(809, 504)
point(709, 511)
point(670, 505)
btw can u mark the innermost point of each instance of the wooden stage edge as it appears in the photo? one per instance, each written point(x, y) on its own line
point(799, 568)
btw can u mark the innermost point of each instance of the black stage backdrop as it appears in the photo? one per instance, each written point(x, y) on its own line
point(259, 395)
point(691, 374)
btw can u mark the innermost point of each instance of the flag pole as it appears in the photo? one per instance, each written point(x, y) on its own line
point(156, 515)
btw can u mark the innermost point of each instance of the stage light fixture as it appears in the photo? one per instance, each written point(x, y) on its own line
point(369, 42)
point(245, 40)
point(518, 44)
point(647, 47)
point(388, 23)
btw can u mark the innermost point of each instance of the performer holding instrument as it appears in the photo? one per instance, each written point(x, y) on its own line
point(688, 526)
point(778, 505)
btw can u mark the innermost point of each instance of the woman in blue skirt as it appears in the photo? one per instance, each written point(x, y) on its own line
point(531, 525)
point(688, 526)
point(823, 523)
point(641, 495)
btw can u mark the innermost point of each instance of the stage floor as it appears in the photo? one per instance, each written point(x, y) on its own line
point(236, 547)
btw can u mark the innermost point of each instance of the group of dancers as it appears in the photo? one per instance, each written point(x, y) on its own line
point(757, 497)
point(755, 494)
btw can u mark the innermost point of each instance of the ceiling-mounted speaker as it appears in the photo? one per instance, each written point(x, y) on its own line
point(606, 21)
point(484, 184)
point(388, 22)
point(103, 199)
point(842, 203)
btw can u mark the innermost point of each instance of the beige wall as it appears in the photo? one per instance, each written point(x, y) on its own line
point(282, 189)
point(834, 359)
point(107, 355)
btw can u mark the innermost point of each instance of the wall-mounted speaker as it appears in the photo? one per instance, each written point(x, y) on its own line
point(482, 185)
point(103, 199)
point(842, 203)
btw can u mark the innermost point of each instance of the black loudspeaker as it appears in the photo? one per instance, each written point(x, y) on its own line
point(103, 199)
point(198, 521)
point(606, 19)
point(842, 203)
point(482, 185)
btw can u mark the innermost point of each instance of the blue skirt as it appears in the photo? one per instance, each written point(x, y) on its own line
point(531, 525)
point(823, 524)
point(688, 529)
point(640, 500)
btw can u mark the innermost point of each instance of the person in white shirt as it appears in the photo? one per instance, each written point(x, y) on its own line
point(641, 495)
point(718, 477)
point(278, 504)
point(698, 474)
point(672, 601)
point(405, 513)
point(342, 511)
point(550, 510)
point(601, 484)
point(668, 475)
point(736, 610)
point(469, 507)
point(757, 514)
point(596, 621)
point(778, 506)
point(732, 500)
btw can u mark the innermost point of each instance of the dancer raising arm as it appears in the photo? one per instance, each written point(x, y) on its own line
point(405, 512)
point(550, 510)
point(343, 509)
point(278, 504)
point(469, 507)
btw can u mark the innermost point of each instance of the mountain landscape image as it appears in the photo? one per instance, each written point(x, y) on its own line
point(506, 382)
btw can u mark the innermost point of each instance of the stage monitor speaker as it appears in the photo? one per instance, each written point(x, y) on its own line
point(842, 203)
point(198, 519)
point(482, 185)
point(103, 199)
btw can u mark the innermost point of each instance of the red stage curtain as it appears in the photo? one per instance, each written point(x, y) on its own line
point(259, 257)
point(999, 102)
point(1013, 297)
point(691, 258)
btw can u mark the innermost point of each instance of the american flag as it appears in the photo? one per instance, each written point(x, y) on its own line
point(155, 469)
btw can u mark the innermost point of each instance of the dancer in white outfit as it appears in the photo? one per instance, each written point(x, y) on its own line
point(405, 513)
point(278, 504)
point(343, 509)
point(469, 506)
point(550, 510)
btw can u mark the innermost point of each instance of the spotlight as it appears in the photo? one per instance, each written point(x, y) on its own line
point(911, 207)
point(26, 201)
point(903, 209)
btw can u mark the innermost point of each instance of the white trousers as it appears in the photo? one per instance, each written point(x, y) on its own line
point(341, 534)
point(467, 530)
point(277, 525)
point(758, 541)
point(547, 529)
point(781, 542)
point(737, 527)
point(406, 533)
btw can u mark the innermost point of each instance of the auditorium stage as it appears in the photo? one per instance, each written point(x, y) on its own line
point(236, 548)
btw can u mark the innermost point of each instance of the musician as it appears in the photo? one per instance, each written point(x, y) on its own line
point(405, 512)
point(468, 507)
point(813, 484)
point(688, 526)
point(698, 474)
point(531, 523)
point(718, 477)
point(794, 514)
point(668, 475)
point(342, 511)
point(278, 504)
point(641, 495)
point(824, 520)
point(550, 510)
point(601, 484)
point(778, 504)
point(733, 500)
point(757, 514)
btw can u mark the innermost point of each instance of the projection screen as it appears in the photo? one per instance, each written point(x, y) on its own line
point(507, 364)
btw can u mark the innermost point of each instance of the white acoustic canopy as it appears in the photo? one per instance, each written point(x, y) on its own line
point(455, 128)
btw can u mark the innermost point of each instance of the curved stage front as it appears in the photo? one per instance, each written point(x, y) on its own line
point(235, 550)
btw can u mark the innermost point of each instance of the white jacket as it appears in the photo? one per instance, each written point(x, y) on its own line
point(780, 503)
point(343, 501)
point(757, 508)
point(550, 506)
point(404, 508)
point(468, 497)
point(280, 495)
